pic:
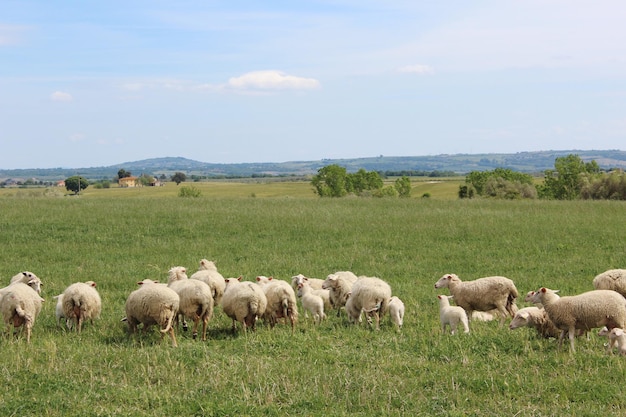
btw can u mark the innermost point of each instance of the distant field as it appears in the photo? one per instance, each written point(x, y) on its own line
point(336, 368)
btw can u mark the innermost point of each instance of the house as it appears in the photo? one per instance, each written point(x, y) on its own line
point(61, 183)
point(128, 182)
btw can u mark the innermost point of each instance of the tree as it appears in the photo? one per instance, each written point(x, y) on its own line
point(179, 177)
point(122, 173)
point(145, 179)
point(76, 184)
point(403, 187)
point(330, 181)
point(564, 182)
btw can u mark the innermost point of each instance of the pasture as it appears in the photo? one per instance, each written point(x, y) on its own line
point(117, 237)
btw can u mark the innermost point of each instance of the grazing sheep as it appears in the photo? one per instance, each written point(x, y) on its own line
point(585, 311)
point(451, 315)
point(617, 337)
point(613, 279)
point(339, 284)
point(396, 311)
point(20, 305)
point(483, 294)
point(29, 278)
point(370, 295)
point(314, 283)
point(207, 273)
point(538, 319)
point(243, 302)
point(311, 302)
point(153, 303)
point(196, 299)
point(80, 302)
point(281, 301)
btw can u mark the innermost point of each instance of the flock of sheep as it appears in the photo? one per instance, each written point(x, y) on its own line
point(195, 298)
point(553, 316)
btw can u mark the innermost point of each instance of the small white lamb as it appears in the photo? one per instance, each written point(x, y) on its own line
point(311, 302)
point(451, 315)
point(396, 311)
point(617, 337)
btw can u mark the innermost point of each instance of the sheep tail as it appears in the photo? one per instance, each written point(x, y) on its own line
point(285, 304)
point(169, 322)
point(510, 304)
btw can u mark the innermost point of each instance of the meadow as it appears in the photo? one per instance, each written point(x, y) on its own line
point(118, 237)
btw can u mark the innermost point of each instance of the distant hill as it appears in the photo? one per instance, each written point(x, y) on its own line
point(529, 162)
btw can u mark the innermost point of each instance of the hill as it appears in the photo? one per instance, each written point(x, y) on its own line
point(529, 162)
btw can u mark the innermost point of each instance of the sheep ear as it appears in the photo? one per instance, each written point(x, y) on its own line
point(93, 284)
point(439, 296)
point(618, 331)
point(450, 297)
point(523, 314)
point(555, 291)
point(305, 278)
point(543, 289)
point(271, 278)
point(139, 282)
point(240, 277)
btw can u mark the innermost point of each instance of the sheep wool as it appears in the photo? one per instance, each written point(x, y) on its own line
point(314, 283)
point(281, 301)
point(370, 295)
point(243, 302)
point(451, 316)
point(396, 311)
point(153, 303)
point(585, 311)
point(208, 273)
point(80, 302)
point(613, 279)
point(483, 294)
point(311, 302)
point(339, 284)
point(196, 299)
point(20, 305)
point(536, 318)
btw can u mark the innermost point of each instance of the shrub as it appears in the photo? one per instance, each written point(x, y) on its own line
point(188, 191)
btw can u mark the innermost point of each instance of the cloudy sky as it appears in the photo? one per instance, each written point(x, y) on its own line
point(86, 83)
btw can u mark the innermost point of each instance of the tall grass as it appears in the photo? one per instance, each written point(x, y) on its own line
point(333, 369)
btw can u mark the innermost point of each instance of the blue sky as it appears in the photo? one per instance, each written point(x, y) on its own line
point(86, 83)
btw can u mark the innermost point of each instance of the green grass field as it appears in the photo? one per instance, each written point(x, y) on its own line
point(117, 237)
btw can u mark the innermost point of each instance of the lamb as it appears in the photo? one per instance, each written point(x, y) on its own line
point(153, 303)
point(396, 311)
point(20, 305)
point(314, 283)
point(613, 279)
point(58, 312)
point(538, 319)
point(483, 294)
point(451, 315)
point(207, 273)
point(243, 302)
point(196, 299)
point(370, 295)
point(616, 336)
point(80, 302)
point(339, 284)
point(281, 301)
point(585, 311)
point(311, 302)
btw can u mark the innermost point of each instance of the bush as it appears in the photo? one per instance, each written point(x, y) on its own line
point(188, 191)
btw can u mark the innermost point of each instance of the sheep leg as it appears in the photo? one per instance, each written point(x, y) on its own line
point(572, 335)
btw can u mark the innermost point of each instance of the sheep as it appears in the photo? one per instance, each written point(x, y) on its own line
point(28, 278)
point(613, 279)
point(451, 315)
point(207, 272)
point(20, 305)
point(281, 301)
point(538, 319)
point(58, 312)
point(314, 283)
point(396, 311)
point(339, 284)
point(311, 302)
point(617, 337)
point(243, 302)
point(585, 311)
point(80, 302)
point(370, 295)
point(196, 299)
point(153, 303)
point(483, 294)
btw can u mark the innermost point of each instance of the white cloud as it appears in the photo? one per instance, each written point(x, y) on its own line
point(61, 96)
point(417, 69)
point(272, 80)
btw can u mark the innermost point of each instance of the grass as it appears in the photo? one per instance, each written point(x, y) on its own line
point(117, 237)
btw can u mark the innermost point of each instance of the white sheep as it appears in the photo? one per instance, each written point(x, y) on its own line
point(314, 283)
point(369, 295)
point(617, 337)
point(281, 301)
point(483, 294)
point(207, 273)
point(585, 311)
point(20, 305)
point(27, 278)
point(613, 279)
point(339, 284)
point(80, 302)
point(536, 318)
point(451, 315)
point(58, 311)
point(243, 302)
point(196, 299)
point(153, 303)
point(396, 311)
point(311, 302)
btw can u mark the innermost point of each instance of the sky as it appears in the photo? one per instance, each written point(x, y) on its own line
point(95, 83)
